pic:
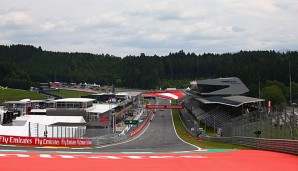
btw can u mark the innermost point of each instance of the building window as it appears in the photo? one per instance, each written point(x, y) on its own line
point(93, 117)
point(77, 105)
point(70, 105)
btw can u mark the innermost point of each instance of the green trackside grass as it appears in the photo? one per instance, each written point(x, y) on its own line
point(70, 93)
point(183, 134)
point(16, 94)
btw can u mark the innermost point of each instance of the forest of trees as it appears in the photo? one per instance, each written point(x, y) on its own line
point(22, 66)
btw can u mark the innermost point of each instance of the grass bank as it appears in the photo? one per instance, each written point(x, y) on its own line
point(70, 93)
point(16, 94)
point(183, 134)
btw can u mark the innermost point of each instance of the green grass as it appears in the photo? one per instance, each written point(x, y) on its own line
point(16, 94)
point(209, 130)
point(70, 93)
point(183, 134)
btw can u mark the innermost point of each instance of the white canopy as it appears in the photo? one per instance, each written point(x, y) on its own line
point(101, 108)
point(42, 120)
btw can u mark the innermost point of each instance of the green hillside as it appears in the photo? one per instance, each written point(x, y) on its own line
point(16, 94)
point(70, 93)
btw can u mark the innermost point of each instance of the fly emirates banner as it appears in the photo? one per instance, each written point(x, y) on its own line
point(18, 140)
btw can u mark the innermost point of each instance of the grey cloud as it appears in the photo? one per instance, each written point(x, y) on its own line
point(238, 29)
point(283, 5)
point(150, 26)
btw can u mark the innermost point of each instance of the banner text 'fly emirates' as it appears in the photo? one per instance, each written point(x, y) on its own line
point(18, 140)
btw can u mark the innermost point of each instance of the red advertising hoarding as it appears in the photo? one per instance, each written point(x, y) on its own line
point(164, 107)
point(35, 141)
point(160, 91)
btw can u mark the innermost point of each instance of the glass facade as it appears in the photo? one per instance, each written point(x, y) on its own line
point(73, 105)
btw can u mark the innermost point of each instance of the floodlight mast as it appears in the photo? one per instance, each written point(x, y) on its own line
point(292, 118)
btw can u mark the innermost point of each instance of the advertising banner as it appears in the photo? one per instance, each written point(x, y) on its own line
point(35, 141)
point(164, 107)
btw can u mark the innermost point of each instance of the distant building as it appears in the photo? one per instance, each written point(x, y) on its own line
point(94, 114)
point(219, 86)
point(171, 89)
point(20, 107)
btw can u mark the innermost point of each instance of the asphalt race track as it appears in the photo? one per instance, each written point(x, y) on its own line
point(159, 136)
point(157, 147)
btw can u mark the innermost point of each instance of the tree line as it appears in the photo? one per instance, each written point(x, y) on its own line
point(22, 66)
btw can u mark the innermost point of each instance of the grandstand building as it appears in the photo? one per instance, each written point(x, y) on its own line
point(216, 102)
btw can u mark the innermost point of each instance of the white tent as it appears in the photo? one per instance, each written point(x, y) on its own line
point(39, 124)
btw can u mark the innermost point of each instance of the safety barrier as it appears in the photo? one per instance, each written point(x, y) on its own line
point(109, 139)
point(133, 133)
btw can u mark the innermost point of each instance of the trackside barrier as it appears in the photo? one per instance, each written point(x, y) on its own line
point(109, 139)
point(133, 133)
point(279, 145)
point(35, 141)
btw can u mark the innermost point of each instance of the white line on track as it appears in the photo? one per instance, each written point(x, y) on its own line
point(13, 150)
point(83, 148)
point(73, 152)
point(54, 147)
point(7, 145)
point(137, 152)
point(198, 148)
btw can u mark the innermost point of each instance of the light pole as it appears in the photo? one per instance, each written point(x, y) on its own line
point(205, 126)
point(113, 117)
point(291, 101)
point(214, 123)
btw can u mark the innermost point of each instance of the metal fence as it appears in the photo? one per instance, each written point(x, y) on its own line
point(106, 136)
point(188, 121)
point(99, 136)
point(275, 131)
point(279, 145)
point(280, 123)
point(273, 125)
point(109, 139)
point(40, 130)
point(97, 132)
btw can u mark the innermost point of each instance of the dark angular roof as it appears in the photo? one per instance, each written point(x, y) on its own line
point(235, 101)
point(234, 86)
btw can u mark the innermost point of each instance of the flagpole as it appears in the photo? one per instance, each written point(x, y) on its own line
point(290, 78)
point(291, 101)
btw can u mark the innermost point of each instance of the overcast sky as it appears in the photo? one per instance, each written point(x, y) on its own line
point(131, 27)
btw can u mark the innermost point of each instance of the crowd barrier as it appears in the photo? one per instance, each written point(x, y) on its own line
point(133, 133)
